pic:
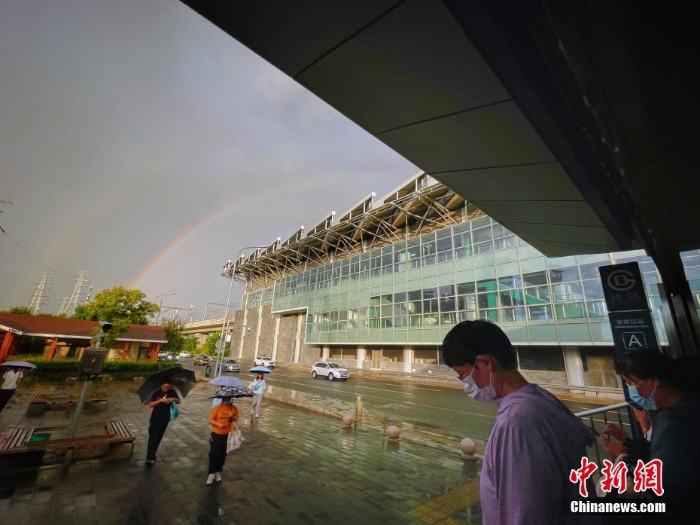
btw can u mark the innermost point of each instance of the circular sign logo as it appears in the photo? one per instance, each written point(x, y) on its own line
point(621, 280)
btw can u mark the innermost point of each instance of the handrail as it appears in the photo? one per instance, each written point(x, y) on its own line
point(600, 410)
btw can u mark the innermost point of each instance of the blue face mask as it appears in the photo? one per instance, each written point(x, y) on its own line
point(646, 403)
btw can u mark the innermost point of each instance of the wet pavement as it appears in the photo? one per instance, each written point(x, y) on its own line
point(298, 465)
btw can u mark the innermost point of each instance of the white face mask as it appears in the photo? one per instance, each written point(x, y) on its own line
point(486, 394)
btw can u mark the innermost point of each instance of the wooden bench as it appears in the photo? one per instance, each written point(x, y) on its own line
point(42, 402)
point(113, 438)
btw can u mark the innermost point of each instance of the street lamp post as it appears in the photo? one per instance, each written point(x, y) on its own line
point(229, 271)
point(161, 303)
point(177, 309)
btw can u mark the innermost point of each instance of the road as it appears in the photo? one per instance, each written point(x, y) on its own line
point(446, 410)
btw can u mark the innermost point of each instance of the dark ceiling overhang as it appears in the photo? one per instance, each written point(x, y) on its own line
point(573, 124)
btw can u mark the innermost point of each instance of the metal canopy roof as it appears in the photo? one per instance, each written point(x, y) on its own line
point(419, 206)
point(574, 125)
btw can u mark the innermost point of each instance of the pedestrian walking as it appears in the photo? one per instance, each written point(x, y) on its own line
point(258, 389)
point(536, 441)
point(9, 385)
point(221, 419)
point(160, 417)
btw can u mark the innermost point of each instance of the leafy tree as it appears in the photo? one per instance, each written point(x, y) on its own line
point(209, 346)
point(190, 345)
point(21, 310)
point(119, 306)
point(173, 333)
point(117, 303)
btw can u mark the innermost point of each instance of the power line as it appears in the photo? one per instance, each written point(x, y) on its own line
point(36, 259)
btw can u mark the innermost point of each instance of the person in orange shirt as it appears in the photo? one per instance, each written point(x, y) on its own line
point(221, 419)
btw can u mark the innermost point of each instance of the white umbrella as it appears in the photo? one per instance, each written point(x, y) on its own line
point(18, 364)
point(226, 381)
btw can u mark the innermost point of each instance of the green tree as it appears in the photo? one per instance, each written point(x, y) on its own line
point(190, 345)
point(209, 346)
point(173, 333)
point(21, 310)
point(117, 303)
point(119, 306)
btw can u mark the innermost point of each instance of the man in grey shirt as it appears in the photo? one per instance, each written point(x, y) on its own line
point(536, 441)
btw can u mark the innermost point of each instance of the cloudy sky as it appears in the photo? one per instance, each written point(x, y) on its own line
point(143, 145)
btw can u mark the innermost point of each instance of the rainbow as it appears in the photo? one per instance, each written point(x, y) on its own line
point(217, 214)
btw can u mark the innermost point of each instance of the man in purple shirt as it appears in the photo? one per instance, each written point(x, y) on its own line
point(535, 442)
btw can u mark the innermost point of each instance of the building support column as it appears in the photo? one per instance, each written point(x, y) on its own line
point(325, 356)
point(574, 365)
point(244, 328)
point(125, 351)
point(8, 343)
point(275, 338)
point(297, 338)
point(52, 349)
point(408, 356)
point(258, 329)
point(361, 356)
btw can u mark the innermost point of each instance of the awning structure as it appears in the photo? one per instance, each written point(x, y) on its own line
point(575, 125)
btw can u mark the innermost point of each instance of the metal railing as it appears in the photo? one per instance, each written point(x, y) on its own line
point(597, 418)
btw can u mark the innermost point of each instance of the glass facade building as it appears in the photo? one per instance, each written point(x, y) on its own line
point(416, 290)
point(409, 294)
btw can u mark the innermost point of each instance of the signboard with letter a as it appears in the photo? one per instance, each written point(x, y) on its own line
point(628, 308)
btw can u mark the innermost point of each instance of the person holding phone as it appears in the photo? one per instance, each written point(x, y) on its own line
point(160, 417)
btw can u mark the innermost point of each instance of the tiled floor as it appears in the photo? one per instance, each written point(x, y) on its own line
point(295, 467)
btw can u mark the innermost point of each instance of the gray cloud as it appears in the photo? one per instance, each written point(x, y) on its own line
point(137, 132)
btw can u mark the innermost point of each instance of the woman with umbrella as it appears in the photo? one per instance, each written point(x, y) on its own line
point(13, 373)
point(258, 389)
point(221, 420)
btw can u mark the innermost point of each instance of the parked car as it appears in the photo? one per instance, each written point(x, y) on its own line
point(202, 360)
point(185, 354)
point(330, 370)
point(264, 361)
point(231, 365)
point(165, 356)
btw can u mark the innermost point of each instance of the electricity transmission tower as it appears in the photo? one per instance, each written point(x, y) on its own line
point(64, 302)
point(40, 294)
point(81, 281)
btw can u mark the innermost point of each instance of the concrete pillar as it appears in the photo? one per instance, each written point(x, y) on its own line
point(258, 329)
point(408, 355)
point(275, 338)
point(574, 365)
point(244, 329)
point(297, 338)
point(326, 354)
point(361, 356)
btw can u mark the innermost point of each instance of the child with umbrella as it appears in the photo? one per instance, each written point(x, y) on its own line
point(221, 419)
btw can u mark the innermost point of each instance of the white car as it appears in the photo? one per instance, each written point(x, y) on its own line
point(264, 361)
point(330, 370)
point(185, 354)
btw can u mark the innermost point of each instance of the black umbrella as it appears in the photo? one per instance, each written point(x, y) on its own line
point(181, 380)
point(233, 391)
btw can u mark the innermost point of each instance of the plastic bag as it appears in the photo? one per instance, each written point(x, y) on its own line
point(234, 441)
point(174, 410)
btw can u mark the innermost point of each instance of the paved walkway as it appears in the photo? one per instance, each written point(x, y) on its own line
point(295, 467)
